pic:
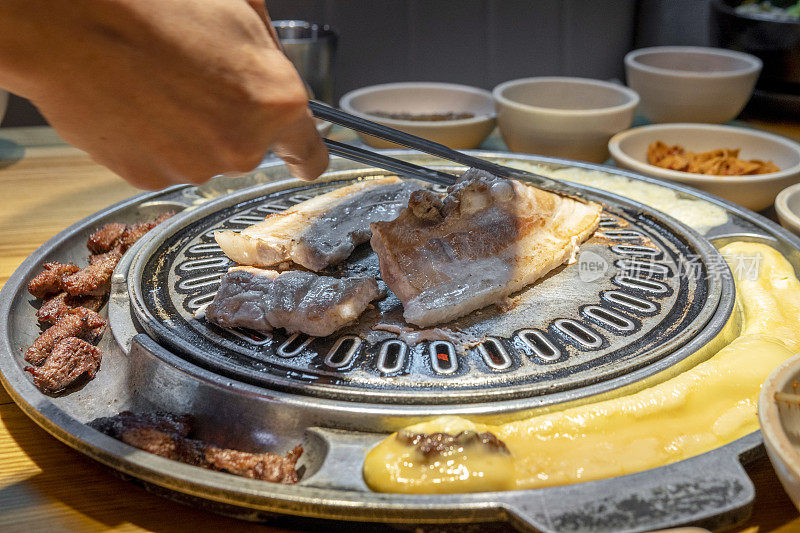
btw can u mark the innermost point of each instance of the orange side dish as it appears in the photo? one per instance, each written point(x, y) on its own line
point(720, 162)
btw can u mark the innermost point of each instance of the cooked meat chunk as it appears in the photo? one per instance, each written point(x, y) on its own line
point(166, 435)
point(54, 307)
point(95, 279)
point(70, 359)
point(106, 238)
point(490, 238)
point(321, 231)
point(261, 300)
point(51, 279)
point(263, 466)
point(430, 444)
point(79, 322)
point(119, 236)
point(115, 426)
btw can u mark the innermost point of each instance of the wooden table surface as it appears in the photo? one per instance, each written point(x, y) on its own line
point(46, 185)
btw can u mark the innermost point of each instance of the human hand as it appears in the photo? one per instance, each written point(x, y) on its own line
point(162, 91)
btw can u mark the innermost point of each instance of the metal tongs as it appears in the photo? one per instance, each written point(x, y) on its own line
point(405, 168)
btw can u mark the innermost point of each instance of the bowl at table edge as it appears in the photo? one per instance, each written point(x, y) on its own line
point(787, 206)
point(756, 192)
point(780, 425)
point(424, 98)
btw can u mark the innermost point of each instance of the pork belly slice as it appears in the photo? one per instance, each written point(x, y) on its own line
point(486, 239)
point(321, 231)
point(263, 300)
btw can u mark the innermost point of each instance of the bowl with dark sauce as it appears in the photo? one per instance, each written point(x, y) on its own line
point(458, 116)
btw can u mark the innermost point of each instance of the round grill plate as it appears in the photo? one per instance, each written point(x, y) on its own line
point(641, 288)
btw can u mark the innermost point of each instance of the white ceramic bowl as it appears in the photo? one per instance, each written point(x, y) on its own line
point(691, 83)
point(425, 98)
point(757, 192)
point(780, 425)
point(563, 117)
point(787, 205)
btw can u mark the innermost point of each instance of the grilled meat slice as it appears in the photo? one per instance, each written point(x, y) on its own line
point(166, 435)
point(261, 300)
point(95, 279)
point(79, 322)
point(106, 238)
point(115, 426)
point(119, 236)
point(51, 279)
point(318, 232)
point(70, 359)
point(54, 307)
point(488, 238)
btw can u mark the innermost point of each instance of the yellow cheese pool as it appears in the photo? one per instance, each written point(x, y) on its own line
point(707, 406)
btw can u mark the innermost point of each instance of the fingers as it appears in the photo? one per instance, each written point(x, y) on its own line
point(302, 149)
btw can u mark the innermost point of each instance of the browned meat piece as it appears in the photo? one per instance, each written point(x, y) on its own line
point(429, 444)
point(95, 279)
point(117, 235)
point(51, 279)
point(133, 233)
point(106, 238)
point(136, 231)
point(115, 426)
point(263, 466)
point(70, 359)
point(78, 322)
point(56, 306)
point(165, 435)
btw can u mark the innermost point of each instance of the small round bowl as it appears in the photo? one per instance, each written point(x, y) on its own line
point(691, 83)
point(563, 117)
point(421, 98)
point(780, 425)
point(787, 205)
point(757, 192)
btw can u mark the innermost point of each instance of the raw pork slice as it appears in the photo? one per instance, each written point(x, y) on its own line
point(261, 300)
point(321, 231)
point(488, 238)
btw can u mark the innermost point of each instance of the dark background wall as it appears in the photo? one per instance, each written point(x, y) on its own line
point(480, 42)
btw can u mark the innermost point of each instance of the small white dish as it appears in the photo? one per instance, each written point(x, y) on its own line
point(756, 192)
point(787, 206)
point(780, 425)
point(691, 83)
point(563, 117)
point(420, 98)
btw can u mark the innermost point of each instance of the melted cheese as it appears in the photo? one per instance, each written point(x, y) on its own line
point(700, 409)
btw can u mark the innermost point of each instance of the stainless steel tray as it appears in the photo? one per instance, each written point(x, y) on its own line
point(140, 373)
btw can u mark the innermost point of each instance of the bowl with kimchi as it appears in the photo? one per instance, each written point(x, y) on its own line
point(746, 166)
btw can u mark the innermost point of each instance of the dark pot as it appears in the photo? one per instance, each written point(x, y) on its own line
point(775, 42)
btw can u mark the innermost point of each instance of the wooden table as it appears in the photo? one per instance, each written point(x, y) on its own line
point(46, 185)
